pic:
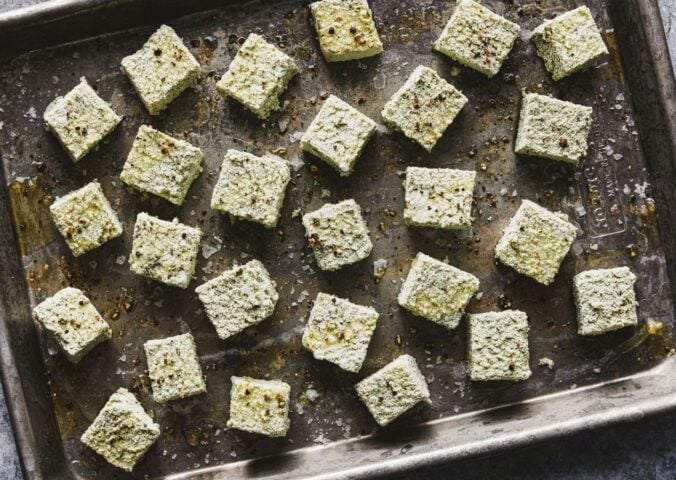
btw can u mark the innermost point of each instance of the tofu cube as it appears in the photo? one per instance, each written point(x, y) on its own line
point(569, 43)
point(85, 219)
point(251, 188)
point(553, 128)
point(71, 320)
point(259, 406)
point(437, 291)
point(345, 29)
point(536, 241)
point(338, 134)
point(239, 298)
point(498, 346)
point(393, 390)
point(337, 234)
point(605, 300)
point(477, 38)
point(161, 165)
point(161, 70)
point(423, 107)
point(339, 331)
point(438, 197)
point(174, 368)
point(80, 120)
point(164, 251)
point(122, 432)
point(258, 76)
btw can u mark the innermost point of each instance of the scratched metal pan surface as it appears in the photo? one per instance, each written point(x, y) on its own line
point(620, 198)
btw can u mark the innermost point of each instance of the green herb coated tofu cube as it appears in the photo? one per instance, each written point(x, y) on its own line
point(339, 331)
point(498, 346)
point(122, 432)
point(80, 120)
point(239, 298)
point(337, 234)
point(164, 251)
point(174, 368)
point(338, 134)
point(536, 241)
point(251, 188)
point(477, 38)
point(258, 76)
point(605, 300)
point(569, 43)
point(259, 406)
point(71, 320)
point(438, 197)
point(161, 165)
point(393, 390)
point(345, 29)
point(161, 70)
point(424, 107)
point(437, 291)
point(85, 219)
point(552, 128)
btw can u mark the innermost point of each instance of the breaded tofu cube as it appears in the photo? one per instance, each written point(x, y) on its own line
point(174, 368)
point(536, 241)
point(345, 29)
point(438, 197)
point(339, 331)
point(393, 390)
point(553, 128)
point(164, 251)
point(259, 406)
point(569, 43)
point(122, 432)
point(605, 300)
point(477, 38)
point(71, 320)
point(424, 107)
point(239, 298)
point(337, 234)
point(498, 346)
point(338, 134)
point(161, 70)
point(258, 76)
point(251, 188)
point(85, 218)
point(80, 120)
point(161, 165)
point(437, 291)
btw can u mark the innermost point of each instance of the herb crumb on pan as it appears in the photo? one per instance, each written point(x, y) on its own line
point(345, 29)
point(477, 38)
point(164, 251)
point(73, 322)
point(80, 120)
point(424, 107)
point(393, 390)
point(161, 70)
point(85, 218)
point(257, 76)
point(122, 432)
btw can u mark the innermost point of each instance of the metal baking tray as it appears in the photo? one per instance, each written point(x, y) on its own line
point(622, 198)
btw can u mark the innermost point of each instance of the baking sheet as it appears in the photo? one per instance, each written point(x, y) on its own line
point(610, 197)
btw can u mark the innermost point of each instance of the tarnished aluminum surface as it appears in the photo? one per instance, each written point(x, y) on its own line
point(610, 197)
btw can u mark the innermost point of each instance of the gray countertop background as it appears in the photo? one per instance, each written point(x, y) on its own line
point(641, 450)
